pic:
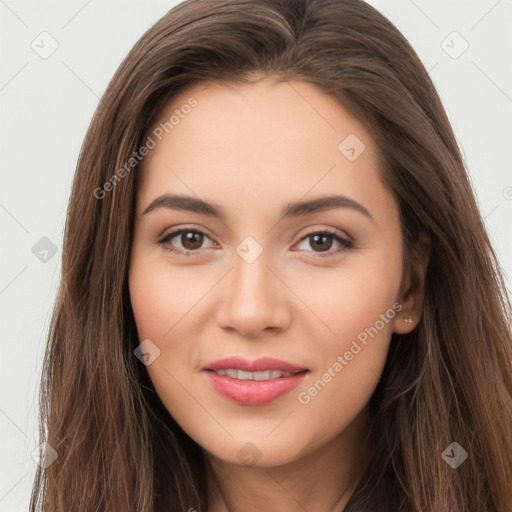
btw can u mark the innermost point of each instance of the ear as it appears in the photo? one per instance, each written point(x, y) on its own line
point(412, 286)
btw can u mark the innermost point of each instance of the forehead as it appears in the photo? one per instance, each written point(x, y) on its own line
point(267, 140)
point(232, 113)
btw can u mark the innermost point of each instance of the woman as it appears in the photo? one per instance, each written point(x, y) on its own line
point(252, 364)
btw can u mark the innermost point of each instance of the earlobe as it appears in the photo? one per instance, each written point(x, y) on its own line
point(405, 321)
point(412, 289)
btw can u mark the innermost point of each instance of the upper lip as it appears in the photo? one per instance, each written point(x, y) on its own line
point(258, 365)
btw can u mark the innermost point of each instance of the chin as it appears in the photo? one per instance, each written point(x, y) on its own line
point(256, 451)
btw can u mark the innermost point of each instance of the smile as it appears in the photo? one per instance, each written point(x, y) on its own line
point(262, 375)
point(258, 382)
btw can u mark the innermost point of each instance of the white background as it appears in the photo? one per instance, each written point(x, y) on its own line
point(46, 106)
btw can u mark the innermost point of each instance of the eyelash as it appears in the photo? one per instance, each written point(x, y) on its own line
point(346, 245)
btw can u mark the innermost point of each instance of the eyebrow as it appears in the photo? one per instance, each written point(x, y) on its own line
point(295, 209)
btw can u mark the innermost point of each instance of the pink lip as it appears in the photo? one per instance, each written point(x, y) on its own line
point(252, 392)
point(258, 365)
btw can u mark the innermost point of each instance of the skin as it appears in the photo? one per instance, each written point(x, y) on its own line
point(251, 149)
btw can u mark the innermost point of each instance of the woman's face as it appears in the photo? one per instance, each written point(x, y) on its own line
point(254, 275)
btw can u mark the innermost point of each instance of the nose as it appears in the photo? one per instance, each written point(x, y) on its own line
point(254, 298)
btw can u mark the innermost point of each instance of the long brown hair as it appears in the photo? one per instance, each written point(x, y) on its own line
point(450, 380)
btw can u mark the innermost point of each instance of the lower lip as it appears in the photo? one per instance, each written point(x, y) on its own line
point(254, 392)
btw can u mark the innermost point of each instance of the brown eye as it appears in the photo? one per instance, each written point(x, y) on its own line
point(191, 240)
point(321, 242)
point(184, 241)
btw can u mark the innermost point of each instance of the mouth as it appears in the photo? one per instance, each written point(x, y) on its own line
point(258, 382)
point(238, 374)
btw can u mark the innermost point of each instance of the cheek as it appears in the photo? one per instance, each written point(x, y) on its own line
point(150, 304)
point(164, 304)
point(161, 297)
point(358, 307)
point(345, 301)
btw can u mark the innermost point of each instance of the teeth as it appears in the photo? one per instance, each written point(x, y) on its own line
point(262, 375)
